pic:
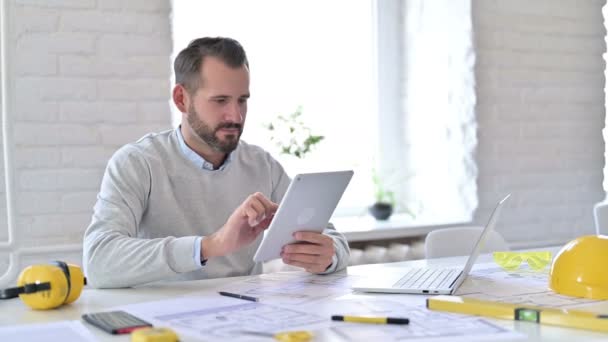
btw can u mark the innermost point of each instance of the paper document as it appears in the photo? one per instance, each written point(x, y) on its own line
point(300, 301)
point(293, 288)
point(220, 318)
point(451, 331)
point(425, 325)
point(524, 286)
point(65, 331)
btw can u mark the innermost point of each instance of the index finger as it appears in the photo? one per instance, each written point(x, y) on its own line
point(314, 237)
point(269, 206)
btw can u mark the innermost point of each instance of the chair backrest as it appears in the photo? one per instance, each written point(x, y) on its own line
point(457, 241)
point(600, 215)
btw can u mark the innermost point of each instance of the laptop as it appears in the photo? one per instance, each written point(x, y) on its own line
point(430, 279)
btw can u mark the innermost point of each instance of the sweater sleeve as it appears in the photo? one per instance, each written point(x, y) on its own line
point(113, 255)
point(342, 256)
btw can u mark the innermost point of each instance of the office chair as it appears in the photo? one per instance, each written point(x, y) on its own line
point(457, 241)
point(600, 216)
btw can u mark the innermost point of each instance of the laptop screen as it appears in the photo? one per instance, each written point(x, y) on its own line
point(483, 236)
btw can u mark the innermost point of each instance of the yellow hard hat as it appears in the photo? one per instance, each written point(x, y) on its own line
point(579, 269)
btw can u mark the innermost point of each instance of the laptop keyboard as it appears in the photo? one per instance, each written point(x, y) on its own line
point(427, 278)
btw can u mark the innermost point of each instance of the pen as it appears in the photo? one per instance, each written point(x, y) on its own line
point(374, 320)
point(235, 295)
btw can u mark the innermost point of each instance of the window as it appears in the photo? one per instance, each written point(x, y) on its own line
point(387, 82)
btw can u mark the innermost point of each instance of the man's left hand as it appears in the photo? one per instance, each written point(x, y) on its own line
point(313, 252)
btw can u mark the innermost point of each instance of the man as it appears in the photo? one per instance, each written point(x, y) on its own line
point(192, 203)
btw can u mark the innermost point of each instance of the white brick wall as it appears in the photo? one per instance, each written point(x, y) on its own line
point(88, 76)
point(540, 111)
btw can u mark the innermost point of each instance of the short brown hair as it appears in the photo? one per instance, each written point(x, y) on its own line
point(188, 62)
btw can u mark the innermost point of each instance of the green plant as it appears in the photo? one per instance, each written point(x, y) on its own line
point(381, 193)
point(385, 196)
point(291, 135)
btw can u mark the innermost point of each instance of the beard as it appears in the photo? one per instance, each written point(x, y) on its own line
point(209, 134)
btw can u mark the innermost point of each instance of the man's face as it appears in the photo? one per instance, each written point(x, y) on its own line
point(217, 110)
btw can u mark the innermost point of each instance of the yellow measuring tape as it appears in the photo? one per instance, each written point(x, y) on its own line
point(154, 335)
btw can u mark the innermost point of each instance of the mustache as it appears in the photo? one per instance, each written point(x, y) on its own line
point(229, 125)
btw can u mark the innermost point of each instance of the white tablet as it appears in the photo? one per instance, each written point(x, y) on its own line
point(308, 204)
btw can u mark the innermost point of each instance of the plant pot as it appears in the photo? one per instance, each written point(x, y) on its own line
point(381, 211)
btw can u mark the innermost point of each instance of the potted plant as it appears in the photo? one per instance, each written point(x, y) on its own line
point(291, 135)
point(382, 209)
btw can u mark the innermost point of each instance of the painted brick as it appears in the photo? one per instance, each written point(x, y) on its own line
point(56, 42)
point(492, 20)
point(526, 41)
point(73, 257)
point(137, 5)
point(96, 21)
point(520, 77)
point(141, 66)
point(32, 19)
point(119, 135)
point(29, 109)
point(34, 134)
point(120, 45)
point(58, 3)
point(57, 88)
point(110, 5)
point(569, 9)
point(58, 228)
point(37, 157)
point(98, 112)
point(78, 202)
point(156, 23)
point(540, 60)
point(568, 131)
point(38, 202)
point(142, 89)
point(36, 65)
point(154, 111)
point(115, 22)
point(567, 95)
point(60, 179)
point(86, 156)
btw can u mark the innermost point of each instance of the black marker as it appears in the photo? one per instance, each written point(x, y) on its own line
point(234, 295)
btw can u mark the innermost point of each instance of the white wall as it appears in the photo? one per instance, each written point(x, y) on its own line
point(540, 110)
point(86, 76)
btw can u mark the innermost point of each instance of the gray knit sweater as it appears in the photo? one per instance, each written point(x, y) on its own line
point(154, 203)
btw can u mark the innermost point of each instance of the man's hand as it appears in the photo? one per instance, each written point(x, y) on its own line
point(314, 252)
point(251, 218)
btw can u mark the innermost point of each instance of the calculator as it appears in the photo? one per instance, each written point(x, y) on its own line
point(115, 322)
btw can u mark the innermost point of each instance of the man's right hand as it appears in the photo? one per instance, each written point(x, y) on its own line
point(251, 218)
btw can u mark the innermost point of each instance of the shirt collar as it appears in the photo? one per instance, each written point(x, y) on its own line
point(199, 161)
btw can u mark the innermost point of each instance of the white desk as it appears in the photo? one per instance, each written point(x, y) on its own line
point(15, 312)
